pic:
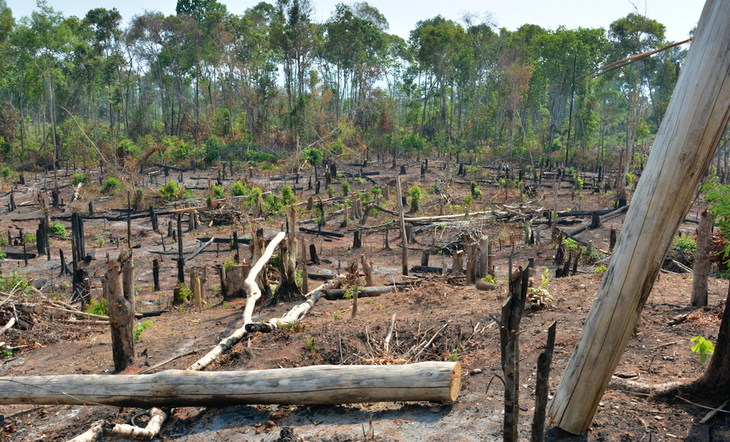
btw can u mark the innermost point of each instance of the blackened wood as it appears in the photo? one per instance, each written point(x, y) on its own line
point(12, 200)
point(322, 232)
point(612, 239)
point(595, 220)
point(64, 266)
point(509, 332)
point(129, 220)
point(153, 218)
point(542, 387)
point(357, 239)
point(156, 274)
point(180, 260)
point(313, 254)
point(77, 231)
point(427, 269)
point(234, 246)
point(401, 221)
point(424, 258)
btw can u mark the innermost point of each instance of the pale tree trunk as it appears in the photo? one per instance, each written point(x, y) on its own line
point(684, 147)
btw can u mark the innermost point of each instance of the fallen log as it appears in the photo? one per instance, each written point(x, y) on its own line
point(322, 384)
point(427, 269)
point(254, 293)
point(364, 292)
point(294, 314)
point(321, 232)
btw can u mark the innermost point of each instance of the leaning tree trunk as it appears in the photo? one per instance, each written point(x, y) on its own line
point(693, 125)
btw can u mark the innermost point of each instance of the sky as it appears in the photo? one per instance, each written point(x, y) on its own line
point(679, 16)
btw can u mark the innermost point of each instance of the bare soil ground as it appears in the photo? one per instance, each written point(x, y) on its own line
point(658, 351)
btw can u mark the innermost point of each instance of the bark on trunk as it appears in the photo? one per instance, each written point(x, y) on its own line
point(693, 125)
point(324, 384)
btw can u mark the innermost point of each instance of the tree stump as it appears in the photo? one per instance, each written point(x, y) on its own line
point(121, 313)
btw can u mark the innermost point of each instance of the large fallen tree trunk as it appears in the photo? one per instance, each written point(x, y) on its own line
point(321, 384)
point(685, 145)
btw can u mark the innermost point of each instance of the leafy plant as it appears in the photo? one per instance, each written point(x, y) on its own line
point(184, 293)
point(545, 278)
point(218, 192)
point(330, 191)
point(630, 178)
point(253, 195)
point(172, 192)
point(58, 229)
point(6, 353)
point(570, 244)
point(337, 316)
point(703, 347)
point(468, 200)
point(239, 189)
point(345, 188)
point(579, 184)
point(15, 282)
point(141, 327)
point(287, 195)
point(454, 355)
point(228, 264)
point(310, 343)
point(350, 293)
point(472, 168)
point(685, 243)
point(79, 177)
point(489, 279)
point(539, 298)
point(112, 185)
point(97, 307)
point(600, 270)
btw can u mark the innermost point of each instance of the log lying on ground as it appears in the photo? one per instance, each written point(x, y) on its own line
point(321, 384)
point(294, 314)
point(254, 293)
point(364, 292)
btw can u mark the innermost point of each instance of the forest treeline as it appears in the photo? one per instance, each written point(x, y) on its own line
point(205, 84)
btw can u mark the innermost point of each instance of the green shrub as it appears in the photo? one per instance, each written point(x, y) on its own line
point(685, 243)
point(141, 327)
point(79, 177)
point(287, 195)
point(468, 200)
point(6, 172)
point(171, 192)
point(97, 307)
point(345, 188)
point(239, 189)
point(330, 191)
point(58, 229)
point(218, 192)
point(112, 185)
point(184, 294)
point(15, 282)
point(253, 195)
point(30, 238)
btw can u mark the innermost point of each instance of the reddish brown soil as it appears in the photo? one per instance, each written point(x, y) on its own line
point(658, 352)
